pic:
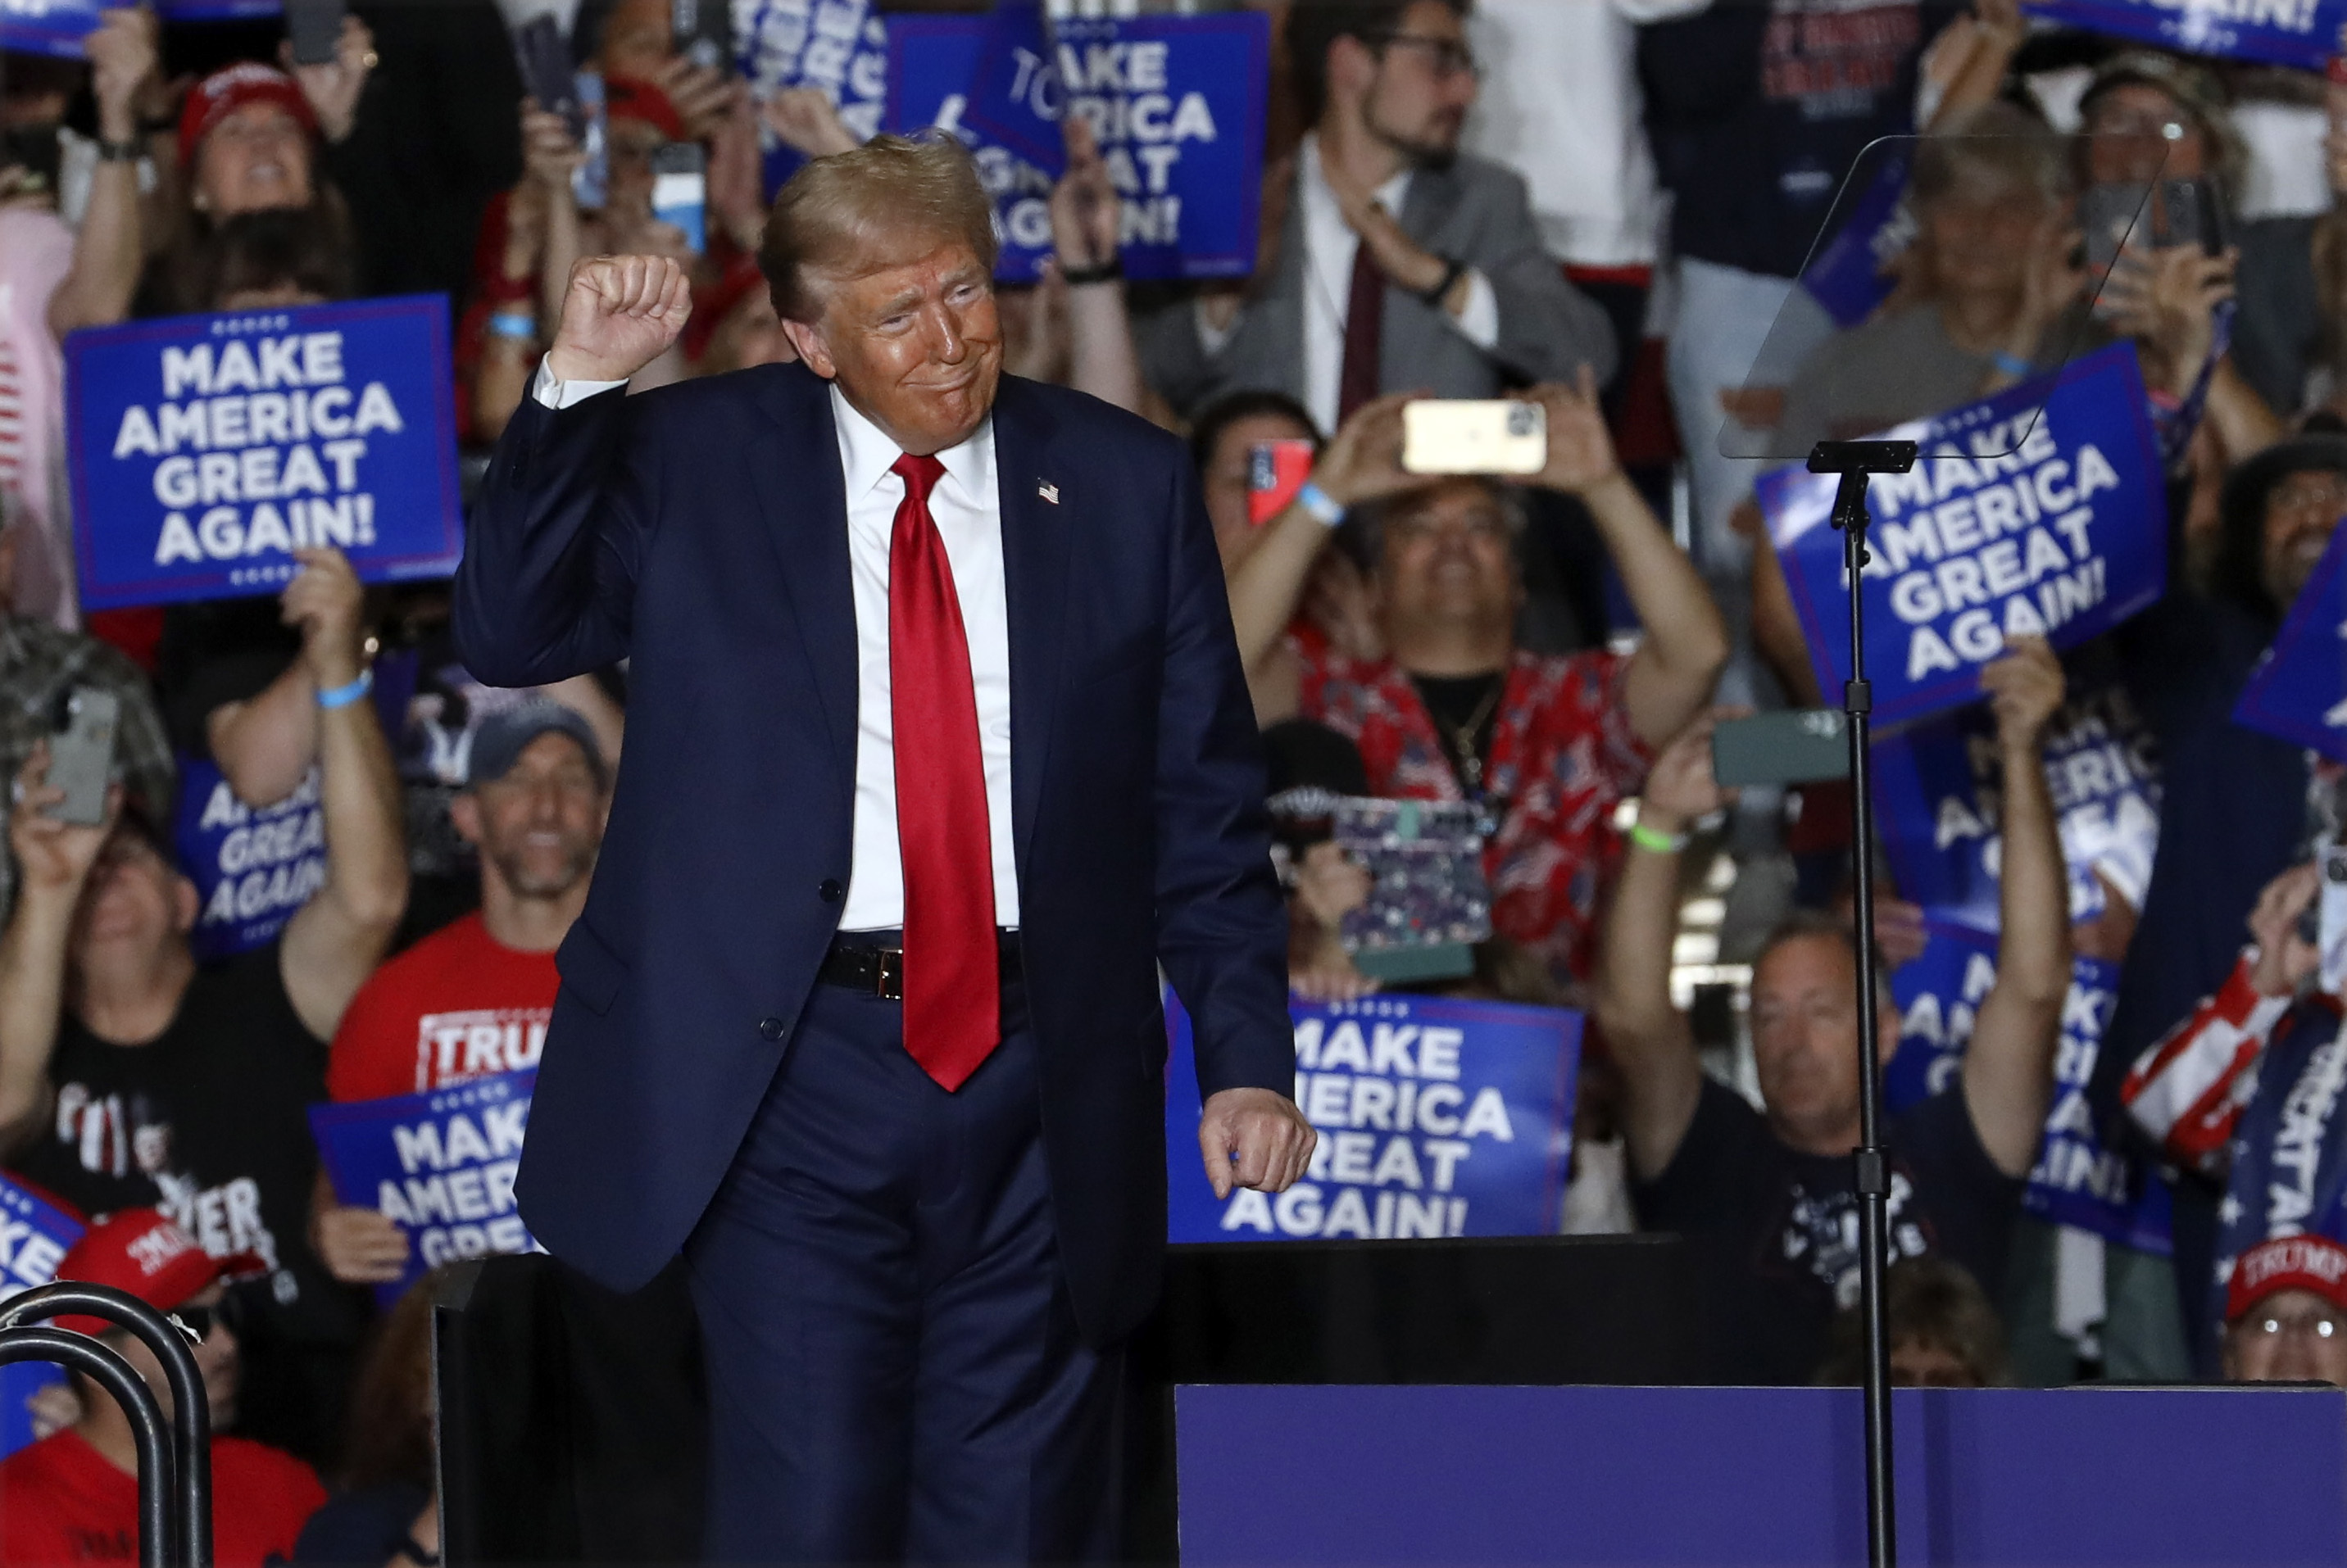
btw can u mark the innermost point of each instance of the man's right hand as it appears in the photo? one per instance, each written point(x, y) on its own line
point(359, 1246)
point(53, 857)
point(621, 313)
point(1681, 787)
point(1362, 461)
point(121, 51)
point(2285, 959)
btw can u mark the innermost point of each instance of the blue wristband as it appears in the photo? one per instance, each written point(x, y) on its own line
point(343, 695)
point(2011, 364)
point(1326, 509)
point(514, 325)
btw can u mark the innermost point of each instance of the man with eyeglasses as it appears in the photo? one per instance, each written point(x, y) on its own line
point(1400, 263)
point(2286, 1313)
point(73, 1497)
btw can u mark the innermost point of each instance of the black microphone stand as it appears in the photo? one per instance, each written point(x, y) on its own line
point(1854, 461)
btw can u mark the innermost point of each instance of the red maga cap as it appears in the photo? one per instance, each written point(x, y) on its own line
point(224, 92)
point(140, 1251)
point(2287, 1263)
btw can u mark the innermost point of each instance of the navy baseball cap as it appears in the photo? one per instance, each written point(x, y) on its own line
point(502, 735)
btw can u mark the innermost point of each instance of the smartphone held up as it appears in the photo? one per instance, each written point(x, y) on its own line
point(1469, 435)
point(81, 754)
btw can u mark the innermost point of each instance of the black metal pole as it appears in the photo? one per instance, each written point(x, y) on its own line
point(190, 1488)
point(105, 1366)
point(1854, 461)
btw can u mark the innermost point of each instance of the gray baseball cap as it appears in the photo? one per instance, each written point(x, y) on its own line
point(502, 736)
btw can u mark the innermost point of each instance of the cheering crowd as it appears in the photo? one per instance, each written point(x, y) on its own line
point(1598, 207)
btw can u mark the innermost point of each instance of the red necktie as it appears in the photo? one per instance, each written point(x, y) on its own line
point(1365, 319)
point(953, 1017)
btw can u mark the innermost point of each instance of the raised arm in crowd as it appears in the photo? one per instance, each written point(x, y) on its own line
point(62, 950)
point(1685, 643)
point(1808, 1078)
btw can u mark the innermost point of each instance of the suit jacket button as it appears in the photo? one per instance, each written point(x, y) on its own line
point(831, 892)
point(772, 1028)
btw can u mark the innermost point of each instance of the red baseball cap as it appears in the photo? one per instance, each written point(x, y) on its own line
point(224, 92)
point(140, 1251)
point(2312, 1263)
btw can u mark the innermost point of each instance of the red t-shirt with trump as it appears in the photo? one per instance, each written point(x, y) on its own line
point(62, 1501)
point(458, 1005)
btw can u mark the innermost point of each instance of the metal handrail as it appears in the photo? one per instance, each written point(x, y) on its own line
point(190, 1499)
point(104, 1365)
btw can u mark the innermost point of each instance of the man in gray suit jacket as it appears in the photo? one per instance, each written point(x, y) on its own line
point(1384, 215)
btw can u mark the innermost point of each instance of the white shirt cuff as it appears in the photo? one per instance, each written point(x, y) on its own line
point(1479, 323)
point(559, 394)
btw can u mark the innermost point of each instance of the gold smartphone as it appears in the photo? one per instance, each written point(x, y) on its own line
point(1469, 436)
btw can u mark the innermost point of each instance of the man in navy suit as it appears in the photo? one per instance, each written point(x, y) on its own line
point(938, 747)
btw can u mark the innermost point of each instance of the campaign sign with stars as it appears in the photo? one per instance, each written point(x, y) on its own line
point(204, 450)
point(1436, 1119)
point(2055, 526)
point(2077, 1180)
point(2298, 690)
point(35, 1237)
point(2288, 1167)
point(2301, 33)
point(440, 1165)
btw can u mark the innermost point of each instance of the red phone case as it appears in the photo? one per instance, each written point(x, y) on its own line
point(1277, 470)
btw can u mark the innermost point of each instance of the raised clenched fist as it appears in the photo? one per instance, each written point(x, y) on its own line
point(621, 313)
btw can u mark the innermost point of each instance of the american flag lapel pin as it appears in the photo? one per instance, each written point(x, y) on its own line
point(1048, 490)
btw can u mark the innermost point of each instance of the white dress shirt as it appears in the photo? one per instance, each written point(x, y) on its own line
point(967, 508)
point(1328, 248)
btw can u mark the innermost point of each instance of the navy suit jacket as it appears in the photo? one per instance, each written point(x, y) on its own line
point(700, 532)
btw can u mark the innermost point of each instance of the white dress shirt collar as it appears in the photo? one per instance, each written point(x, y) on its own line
point(866, 455)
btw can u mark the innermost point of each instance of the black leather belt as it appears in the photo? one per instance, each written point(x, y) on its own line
point(879, 970)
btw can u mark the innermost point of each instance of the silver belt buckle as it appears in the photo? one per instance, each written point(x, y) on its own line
point(890, 984)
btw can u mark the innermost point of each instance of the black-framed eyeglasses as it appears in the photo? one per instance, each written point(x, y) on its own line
point(1451, 58)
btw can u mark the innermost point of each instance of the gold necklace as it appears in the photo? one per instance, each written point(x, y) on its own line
point(1471, 762)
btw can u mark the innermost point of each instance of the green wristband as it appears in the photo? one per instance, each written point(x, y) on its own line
point(1656, 840)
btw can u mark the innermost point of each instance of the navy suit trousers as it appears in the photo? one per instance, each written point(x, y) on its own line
point(894, 1373)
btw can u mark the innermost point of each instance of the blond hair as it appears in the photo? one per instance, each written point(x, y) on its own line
point(854, 211)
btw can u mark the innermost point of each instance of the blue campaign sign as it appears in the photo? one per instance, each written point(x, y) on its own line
point(219, 10)
point(253, 869)
point(35, 1237)
point(54, 28)
point(1016, 94)
point(440, 1165)
point(838, 45)
point(2061, 534)
point(1849, 275)
point(931, 62)
point(2301, 33)
point(1938, 804)
point(57, 27)
point(204, 449)
point(1436, 1119)
point(1177, 104)
point(2298, 690)
point(2077, 1180)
